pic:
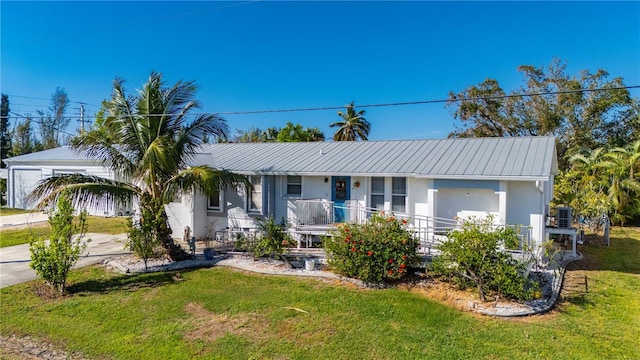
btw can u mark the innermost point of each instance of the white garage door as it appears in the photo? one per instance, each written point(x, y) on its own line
point(24, 181)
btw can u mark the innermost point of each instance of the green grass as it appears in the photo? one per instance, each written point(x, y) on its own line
point(11, 211)
point(95, 224)
point(222, 313)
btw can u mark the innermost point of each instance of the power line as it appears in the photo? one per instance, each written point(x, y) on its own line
point(39, 98)
point(405, 103)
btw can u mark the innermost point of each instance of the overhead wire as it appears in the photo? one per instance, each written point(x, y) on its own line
point(404, 103)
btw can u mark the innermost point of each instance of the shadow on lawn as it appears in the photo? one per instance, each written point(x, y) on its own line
point(127, 282)
point(621, 256)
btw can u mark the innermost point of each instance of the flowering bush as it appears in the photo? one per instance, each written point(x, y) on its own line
point(382, 249)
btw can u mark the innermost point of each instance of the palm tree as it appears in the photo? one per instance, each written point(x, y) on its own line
point(148, 140)
point(352, 126)
point(621, 166)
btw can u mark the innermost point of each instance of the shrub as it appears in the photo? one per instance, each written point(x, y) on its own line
point(272, 239)
point(142, 236)
point(382, 249)
point(53, 258)
point(473, 257)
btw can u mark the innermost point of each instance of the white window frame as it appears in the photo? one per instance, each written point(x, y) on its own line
point(220, 202)
point(289, 182)
point(252, 192)
point(372, 203)
point(395, 195)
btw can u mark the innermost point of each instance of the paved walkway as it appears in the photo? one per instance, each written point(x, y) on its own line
point(14, 260)
point(8, 221)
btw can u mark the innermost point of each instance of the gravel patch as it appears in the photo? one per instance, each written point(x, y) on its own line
point(13, 347)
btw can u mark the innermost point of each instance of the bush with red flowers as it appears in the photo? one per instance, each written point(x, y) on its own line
point(382, 249)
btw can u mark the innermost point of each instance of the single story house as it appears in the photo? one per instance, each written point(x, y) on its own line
point(431, 183)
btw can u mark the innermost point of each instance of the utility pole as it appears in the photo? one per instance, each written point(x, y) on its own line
point(81, 118)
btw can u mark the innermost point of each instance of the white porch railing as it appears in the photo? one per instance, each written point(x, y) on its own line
point(318, 216)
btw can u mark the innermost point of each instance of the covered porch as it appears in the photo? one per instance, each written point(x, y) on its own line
point(317, 218)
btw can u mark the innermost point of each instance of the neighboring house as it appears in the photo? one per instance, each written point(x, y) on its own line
point(25, 171)
point(431, 183)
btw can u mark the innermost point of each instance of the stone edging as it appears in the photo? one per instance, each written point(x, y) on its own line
point(546, 306)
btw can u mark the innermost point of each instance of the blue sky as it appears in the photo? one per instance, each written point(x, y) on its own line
point(263, 55)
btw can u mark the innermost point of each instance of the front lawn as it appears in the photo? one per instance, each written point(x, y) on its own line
point(227, 314)
point(95, 224)
point(12, 211)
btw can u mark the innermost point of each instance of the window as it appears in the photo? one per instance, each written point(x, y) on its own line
point(398, 194)
point(254, 200)
point(377, 193)
point(214, 201)
point(294, 185)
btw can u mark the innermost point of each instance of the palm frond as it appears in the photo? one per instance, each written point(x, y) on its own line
point(86, 190)
point(203, 178)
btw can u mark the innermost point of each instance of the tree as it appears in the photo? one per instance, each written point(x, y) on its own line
point(24, 141)
point(297, 133)
point(255, 134)
point(54, 123)
point(472, 257)
point(5, 133)
point(52, 258)
point(603, 114)
point(352, 126)
point(149, 144)
point(602, 182)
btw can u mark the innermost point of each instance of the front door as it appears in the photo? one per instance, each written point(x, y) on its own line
point(340, 193)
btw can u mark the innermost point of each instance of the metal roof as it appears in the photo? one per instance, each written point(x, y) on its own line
point(59, 154)
point(468, 158)
point(517, 158)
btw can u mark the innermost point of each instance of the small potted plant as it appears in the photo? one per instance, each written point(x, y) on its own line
point(208, 251)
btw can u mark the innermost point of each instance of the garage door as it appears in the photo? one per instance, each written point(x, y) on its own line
point(24, 181)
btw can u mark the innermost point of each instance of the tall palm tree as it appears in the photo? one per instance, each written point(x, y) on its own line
point(352, 126)
point(148, 140)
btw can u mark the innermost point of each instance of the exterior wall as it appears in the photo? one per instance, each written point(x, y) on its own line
point(523, 199)
point(418, 201)
point(180, 215)
point(465, 202)
point(313, 187)
point(360, 193)
point(511, 202)
point(23, 179)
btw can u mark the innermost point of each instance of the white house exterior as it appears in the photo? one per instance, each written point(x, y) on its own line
point(25, 171)
point(427, 180)
point(508, 178)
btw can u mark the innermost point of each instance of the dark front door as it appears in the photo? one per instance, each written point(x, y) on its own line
point(340, 193)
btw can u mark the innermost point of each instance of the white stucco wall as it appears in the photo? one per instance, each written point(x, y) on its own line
point(523, 199)
point(418, 202)
point(360, 193)
point(458, 202)
point(180, 215)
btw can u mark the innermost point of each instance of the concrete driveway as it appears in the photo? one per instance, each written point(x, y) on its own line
point(14, 260)
point(21, 220)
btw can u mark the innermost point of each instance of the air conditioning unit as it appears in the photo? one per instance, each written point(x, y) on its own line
point(564, 218)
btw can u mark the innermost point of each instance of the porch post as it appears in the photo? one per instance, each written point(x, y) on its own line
point(502, 203)
point(432, 193)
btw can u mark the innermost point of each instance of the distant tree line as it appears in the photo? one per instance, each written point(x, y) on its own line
point(46, 130)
